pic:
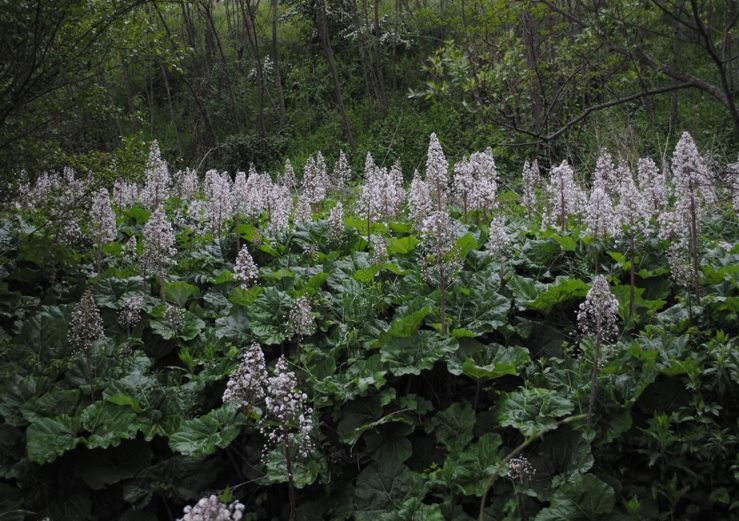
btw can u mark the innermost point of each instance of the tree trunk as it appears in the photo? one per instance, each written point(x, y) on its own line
point(278, 72)
point(322, 27)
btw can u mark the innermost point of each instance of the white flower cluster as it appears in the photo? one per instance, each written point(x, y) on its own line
point(600, 218)
point(606, 174)
point(245, 269)
point(287, 179)
point(520, 469)
point(485, 188)
point(336, 223)
point(158, 181)
point(437, 174)
point(733, 183)
point(288, 407)
point(86, 325)
point(315, 179)
point(598, 314)
point(566, 198)
point(187, 184)
point(498, 241)
point(382, 193)
point(379, 251)
point(437, 256)
point(419, 200)
point(280, 208)
point(130, 250)
point(211, 509)
point(125, 193)
point(218, 194)
point(247, 385)
point(101, 228)
point(694, 187)
point(174, 317)
point(633, 210)
point(302, 212)
point(464, 183)
point(653, 185)
point(159, 245)
point(531, 180)
point(342, 173)
point(300, 322)
point(130, 314)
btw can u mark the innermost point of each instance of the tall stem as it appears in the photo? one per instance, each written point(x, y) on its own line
point(290, 483)
point(632, 274)
point(594, 374)
point(694, 246)
point(442, 298)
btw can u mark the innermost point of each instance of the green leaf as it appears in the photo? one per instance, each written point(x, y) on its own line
point(532, 411)
point(305, 472)
point(244, 297)
point(192, 326)
point(562, 290)
point(454, 426)
point(124, 399)
point(179, 292)
point(403, 245)
point(59, 401)
point(622, 293)
point(109, 292)
point(268, 316)
point(496, 361)
point(233, 326)
point(365, 275)
point(383, 488)
point(583, 498)
point(108, 424)
point(524, 289)
point(49, 438)
point(466, 244)
point(201, 436)
point(471, 469)
point(416, 353)
point(406, 326)
point(561, 454)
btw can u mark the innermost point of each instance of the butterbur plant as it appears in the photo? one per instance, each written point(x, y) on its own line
point(633, 214)
point(246, 272)
point(498, 241)
point(439, 259)
point(102, 228)
point(693, 189)
point(246, 388)
point(300, 321)
point(288, 421)
point(335, 223)
point(597, 319)
point(173, 317)
point(464, 183)
point(212, 509)
point(130, 313)
point(342, 173)
point(531, 180)
point(437, 174)
point(565, 196)
point(379, 251)
point(158, 181)
point(419, 200)
point(85, 328)
point(159, 248)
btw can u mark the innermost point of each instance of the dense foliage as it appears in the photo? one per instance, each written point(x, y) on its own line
point(274, 348)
